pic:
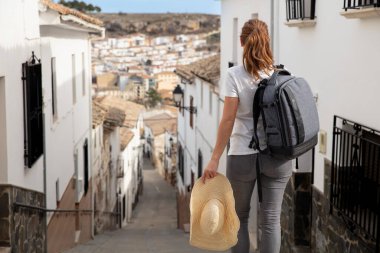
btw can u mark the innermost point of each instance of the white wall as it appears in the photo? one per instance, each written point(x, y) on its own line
point(339, 58)
point(66, 135)
point(242, 10)
point(207, 122)
point(19, 37)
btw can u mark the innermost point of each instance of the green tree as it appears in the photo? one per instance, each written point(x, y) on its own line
point(152, 98)
point(80, 6)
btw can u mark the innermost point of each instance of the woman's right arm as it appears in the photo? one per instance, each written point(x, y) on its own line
point(224, 132)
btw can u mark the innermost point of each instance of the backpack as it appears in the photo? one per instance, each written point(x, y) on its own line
point(289, 115)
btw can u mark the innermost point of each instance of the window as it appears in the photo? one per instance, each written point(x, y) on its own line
point(73, 73)
point(300, 9)
point(54, 88)
point(191, 114)
point(85, 166)
point(200, 164)
point(210, 100)
point(83, 75)
point(124, 207)
point(57, 193)
point(355, 176)
point(33, 124)
point(355, 4)
point(181, 162)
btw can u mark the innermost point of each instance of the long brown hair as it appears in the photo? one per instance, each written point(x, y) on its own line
point(257, 54)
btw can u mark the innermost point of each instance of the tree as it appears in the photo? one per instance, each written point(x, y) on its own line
point(153, 98)
point(80, 6)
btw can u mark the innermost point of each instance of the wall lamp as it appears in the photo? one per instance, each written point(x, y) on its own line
point(178, 96)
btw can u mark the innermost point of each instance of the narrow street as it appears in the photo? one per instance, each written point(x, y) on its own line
point(153, 228)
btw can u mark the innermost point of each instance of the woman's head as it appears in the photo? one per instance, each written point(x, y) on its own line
point(257, 54)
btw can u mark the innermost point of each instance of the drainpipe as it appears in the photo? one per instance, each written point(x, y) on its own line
point(44, 179)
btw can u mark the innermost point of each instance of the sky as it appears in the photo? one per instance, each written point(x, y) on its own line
point(158, 6)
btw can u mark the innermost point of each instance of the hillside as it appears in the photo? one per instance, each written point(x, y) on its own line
point(121, 24)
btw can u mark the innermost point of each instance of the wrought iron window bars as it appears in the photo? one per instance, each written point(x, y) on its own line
point(355, 178)
point(300, 9)
point(357, 4)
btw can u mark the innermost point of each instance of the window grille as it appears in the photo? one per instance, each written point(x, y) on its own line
point(355, 177)
point(33, 111)
point(356, 4)
point(300, 9)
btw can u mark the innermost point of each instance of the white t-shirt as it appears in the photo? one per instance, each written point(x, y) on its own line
point(240, 84)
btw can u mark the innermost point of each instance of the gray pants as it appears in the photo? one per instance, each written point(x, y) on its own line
point(275, 174)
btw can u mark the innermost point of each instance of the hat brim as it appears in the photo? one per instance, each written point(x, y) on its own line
point(217, 188)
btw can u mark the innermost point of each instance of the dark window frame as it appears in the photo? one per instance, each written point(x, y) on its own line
point(200, 163)
point(33, 111)
point(86, 173)
point(357, 4)
point(295, 10)
point(191, 114)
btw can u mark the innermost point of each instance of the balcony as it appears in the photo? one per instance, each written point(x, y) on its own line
point(300, 13)
point(361, 8)
point(355, 178)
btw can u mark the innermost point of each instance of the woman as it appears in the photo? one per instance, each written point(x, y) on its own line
point(237, 126)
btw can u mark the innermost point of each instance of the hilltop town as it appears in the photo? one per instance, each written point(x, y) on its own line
point(135, 63)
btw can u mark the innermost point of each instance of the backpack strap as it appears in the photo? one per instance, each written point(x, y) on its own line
point(256, 111)
point(258, 176)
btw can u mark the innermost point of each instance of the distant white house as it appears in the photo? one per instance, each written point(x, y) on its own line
point(130, 154)
point(45, 115)
point(157, 126)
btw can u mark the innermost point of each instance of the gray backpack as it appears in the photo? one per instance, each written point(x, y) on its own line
point(290, 117)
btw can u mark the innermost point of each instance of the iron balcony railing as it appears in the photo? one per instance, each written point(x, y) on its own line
point(355, 178)
point(356, 4)
point(300, 9)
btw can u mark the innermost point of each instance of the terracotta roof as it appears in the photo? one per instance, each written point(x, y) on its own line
point(161, 123)
point(114, 118)
point(207, 69)
point(126, 136)
point(171, 109)
point(185, 72)
point(166, 94)
point(106, 80)
point(63, 10)
point(99, 113)
point(131, 109)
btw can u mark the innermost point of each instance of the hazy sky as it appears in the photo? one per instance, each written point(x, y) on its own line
point(158, 6)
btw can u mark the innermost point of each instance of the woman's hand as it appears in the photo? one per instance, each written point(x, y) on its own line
point(211, 170)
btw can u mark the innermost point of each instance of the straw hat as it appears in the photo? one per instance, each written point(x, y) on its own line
point(213, 222)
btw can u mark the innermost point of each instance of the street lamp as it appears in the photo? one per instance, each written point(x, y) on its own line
point(177, 97)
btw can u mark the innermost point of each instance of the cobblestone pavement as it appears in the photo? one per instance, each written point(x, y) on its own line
point(153, 228)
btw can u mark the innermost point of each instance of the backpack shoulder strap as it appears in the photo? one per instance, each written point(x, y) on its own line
point(256, 111)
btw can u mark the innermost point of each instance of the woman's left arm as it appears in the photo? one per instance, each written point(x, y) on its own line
point(224, 132)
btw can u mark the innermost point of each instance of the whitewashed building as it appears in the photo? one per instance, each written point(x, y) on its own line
point(198, 120)
point(45, 123)
point(130, 155)
point(327, 203)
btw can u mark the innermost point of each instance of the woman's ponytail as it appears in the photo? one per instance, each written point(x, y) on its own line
point(257, 55)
